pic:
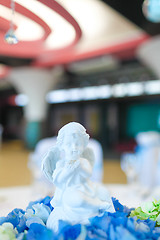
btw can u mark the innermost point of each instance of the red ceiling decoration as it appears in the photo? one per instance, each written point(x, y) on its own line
point(43, 57)
point(33, 49)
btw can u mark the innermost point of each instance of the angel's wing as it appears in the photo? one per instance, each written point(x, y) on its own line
point(49, 162)
point(89, 155)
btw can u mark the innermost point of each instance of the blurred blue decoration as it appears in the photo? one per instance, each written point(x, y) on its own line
point(130, 166)
point(151, 10)
point(10, 37)
point(32, 133)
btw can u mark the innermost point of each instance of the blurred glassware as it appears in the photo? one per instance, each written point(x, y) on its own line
point(142, 168)
point(10, 37)
point(130, 167)
point(151, 10)
point(148, 152)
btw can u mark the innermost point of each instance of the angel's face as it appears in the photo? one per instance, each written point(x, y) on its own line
point(73, 145)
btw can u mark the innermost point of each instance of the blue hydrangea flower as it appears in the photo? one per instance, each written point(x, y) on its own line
point(38, 210)
point(39, 232)
point(110, 226)
point(46, 201)
point(34, 220)
point(67, 231)
point(16, 217)
point(119, 207)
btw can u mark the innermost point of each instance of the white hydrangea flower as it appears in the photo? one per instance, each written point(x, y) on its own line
point(7, 231)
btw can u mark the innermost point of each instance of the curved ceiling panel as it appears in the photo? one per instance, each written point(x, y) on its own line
point(50, 31)
point(41, 26)
point(105, 31)
point(66, 15)
point(4, 26)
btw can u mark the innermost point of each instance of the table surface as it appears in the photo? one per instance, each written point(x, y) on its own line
point(19, 197)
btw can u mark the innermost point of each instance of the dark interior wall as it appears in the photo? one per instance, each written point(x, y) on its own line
point(129, 9)
point(11, 118)
point(111, 121)
point(133, 11)
point(114, 123)
point(100, 118)
point(142, 117)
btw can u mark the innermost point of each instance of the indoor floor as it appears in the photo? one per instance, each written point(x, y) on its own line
point(14, 170)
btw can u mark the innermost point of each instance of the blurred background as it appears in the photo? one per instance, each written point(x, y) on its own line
point(91, 61)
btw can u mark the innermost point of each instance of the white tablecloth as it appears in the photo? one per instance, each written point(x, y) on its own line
point(19, 197)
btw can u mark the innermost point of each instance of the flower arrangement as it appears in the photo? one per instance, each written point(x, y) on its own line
point(125, 224)
point(148, 210)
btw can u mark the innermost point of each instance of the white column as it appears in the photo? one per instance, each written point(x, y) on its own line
point(148, 54)
point(35, 83)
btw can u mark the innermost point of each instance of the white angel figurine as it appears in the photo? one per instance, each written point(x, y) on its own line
point(69, 165)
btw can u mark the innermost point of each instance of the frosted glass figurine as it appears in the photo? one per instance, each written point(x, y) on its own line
point(69, 165)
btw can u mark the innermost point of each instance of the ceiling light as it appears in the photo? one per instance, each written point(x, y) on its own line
point(10, 36)
point(104, 91)
point(57, 96)
point(119, 90)
point(75, 94)
point(135, 88)
point(151, 10)
point(25, 26)
point(152, 87)
point(21, 100)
